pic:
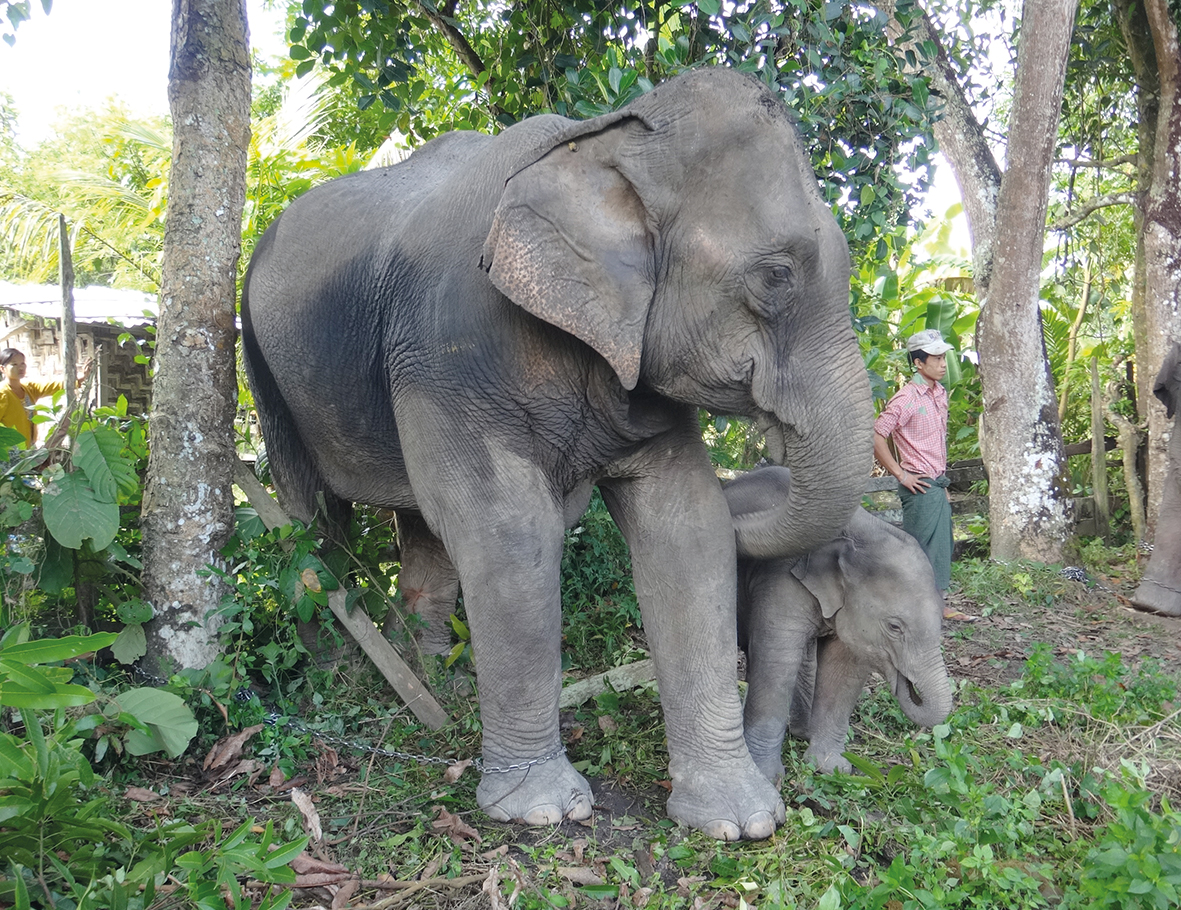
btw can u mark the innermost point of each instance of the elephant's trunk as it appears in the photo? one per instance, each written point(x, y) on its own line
point(925, 697)
point(825, 436)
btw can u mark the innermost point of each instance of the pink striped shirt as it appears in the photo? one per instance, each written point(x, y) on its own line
point(916, 418)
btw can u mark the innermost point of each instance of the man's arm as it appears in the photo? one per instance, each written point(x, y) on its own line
point(881, 451)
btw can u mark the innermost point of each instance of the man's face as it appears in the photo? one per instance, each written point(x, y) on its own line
point(934, 368)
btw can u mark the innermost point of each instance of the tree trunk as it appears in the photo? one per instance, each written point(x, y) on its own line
point(1028, 506)
point(1020, 438)
point(1160, 240)
point(188, 503)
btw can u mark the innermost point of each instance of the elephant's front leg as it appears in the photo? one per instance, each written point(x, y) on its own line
point(504, 531)
point(678, 528)
point(840, 677)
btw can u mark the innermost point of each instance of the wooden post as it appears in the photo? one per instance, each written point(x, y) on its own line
point(416, 696)
point(69, 329)
point(1098, 454)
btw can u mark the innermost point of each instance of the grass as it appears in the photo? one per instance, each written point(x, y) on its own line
point(1051, 785)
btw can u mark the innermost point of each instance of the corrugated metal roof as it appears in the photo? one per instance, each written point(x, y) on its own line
point(95, 304)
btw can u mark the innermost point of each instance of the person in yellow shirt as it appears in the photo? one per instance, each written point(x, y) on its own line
point(17, 396)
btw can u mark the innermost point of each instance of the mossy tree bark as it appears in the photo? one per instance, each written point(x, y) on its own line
point(188, 500)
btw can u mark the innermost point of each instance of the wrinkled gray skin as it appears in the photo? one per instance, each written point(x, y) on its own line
point(814, 627)
point(1159, 590)
point(481, 334)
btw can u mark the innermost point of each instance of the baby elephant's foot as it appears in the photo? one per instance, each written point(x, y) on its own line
point(828, 759)
point(768, 760)
point(541, 794)
point(727, 802)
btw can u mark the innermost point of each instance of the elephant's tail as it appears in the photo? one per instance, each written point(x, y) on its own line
point(302, 489)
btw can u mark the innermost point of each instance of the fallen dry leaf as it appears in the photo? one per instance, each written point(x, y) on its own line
point(491, 887)
point(455, 770)
point(310, 865)
point(496, 853)
point(247, 766)
point(607, 723)
point(579, 875)
point(228, 749)
point(454, 827)
point(344, 896)
point(311, 580)
point(141, 795)
point(277, 777)
point(311, 817)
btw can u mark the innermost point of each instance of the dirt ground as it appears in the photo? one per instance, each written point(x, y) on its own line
point(1094, 617)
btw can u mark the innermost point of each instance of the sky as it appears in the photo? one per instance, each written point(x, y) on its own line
point(86, 51)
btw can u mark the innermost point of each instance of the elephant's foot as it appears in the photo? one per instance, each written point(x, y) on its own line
point(768, 756)
point(1153, 597)
point(731, 801)
point(828, 758)
point(541, 794)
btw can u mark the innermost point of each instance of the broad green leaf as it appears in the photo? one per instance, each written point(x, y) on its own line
point(57, 567)
point(9, 438)
point(14, 762)
point(131, 645)
point(13, 695)
point(24, 675)
point(166, 715)
point(74, 513)
point(93, 458)
point(50, 650)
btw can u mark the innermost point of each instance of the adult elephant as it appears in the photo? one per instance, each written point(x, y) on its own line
point(481, 334)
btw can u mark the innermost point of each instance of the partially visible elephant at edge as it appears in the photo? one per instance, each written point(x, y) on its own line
point(483, 333)
point(1159, 590)
point(814, 627)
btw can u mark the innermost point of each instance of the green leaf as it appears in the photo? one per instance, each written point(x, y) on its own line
point(13, 695)
point(26, 676)
point(285, 854)
point(57, 567)
point(131, 645)
point(51, 650)
point(98, 453)
point(166, 715)
point(9, 438)
point(74, 513)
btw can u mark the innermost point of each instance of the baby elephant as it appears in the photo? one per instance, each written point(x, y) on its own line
point(814, 627)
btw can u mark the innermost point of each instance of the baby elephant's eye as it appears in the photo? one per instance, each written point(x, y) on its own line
point(895, 628)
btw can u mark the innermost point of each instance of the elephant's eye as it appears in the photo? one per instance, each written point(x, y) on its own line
point(770, 281)
point(895, 628)
point(777, 275)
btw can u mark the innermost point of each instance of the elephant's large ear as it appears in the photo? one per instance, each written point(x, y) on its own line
point(570, 243)
point(1168, 380)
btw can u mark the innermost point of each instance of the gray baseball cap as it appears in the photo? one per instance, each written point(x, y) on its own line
point(928, 340)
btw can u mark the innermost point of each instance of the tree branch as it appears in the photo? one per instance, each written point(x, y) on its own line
point(439, 19)
point(1076, 215)
point(442, 19)
point(1108, 163)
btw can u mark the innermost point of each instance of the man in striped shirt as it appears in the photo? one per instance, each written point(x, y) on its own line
point(916, 419)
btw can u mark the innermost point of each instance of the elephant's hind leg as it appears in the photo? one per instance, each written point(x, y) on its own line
point(427, 581)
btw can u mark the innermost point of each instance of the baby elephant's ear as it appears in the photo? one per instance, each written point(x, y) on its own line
point(820, 572)
point(570, 243)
